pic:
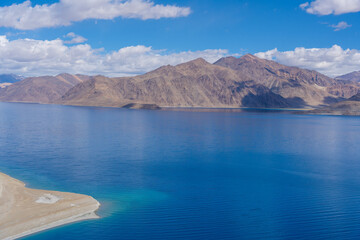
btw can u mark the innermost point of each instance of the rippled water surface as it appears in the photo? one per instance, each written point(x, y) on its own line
point(190, 175)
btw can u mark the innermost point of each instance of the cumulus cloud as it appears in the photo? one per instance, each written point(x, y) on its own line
point(332, 61)
point(25, 16)
point(328, 7)
point(31, 57)
point(340, 26)
point(74, 38)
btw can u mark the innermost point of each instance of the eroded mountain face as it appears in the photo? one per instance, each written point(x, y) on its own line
point(230, 82)
point(291, 82)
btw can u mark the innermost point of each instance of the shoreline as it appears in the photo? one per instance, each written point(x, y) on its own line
point(296, 111)
point(25, 211)
point(169, 108)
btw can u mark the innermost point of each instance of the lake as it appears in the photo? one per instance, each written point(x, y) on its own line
point(190, 175)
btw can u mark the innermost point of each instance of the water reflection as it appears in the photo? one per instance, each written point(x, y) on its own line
point(190, 175)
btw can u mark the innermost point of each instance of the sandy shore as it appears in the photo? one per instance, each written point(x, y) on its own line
point(24, 211)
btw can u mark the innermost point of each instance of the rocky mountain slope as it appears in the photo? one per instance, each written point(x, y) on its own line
point(291, 82)
point(350, 77)
point(229, 83)
point(355, 97)
point(45, 89)
point(349, 107)
point(193, 84)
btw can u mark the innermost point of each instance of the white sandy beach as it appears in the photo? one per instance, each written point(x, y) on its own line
point(24, 211)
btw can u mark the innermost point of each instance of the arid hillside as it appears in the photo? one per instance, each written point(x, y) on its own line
point(229, 83)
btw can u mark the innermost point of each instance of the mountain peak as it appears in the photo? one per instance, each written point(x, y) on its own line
point(199, 61)
point(225, 60)
point(249, 57)
point(63, 75)
point(233, 60)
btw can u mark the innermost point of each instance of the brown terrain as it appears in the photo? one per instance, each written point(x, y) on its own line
point(350, 77)
point(193, 84)
point(348, 107)
point(310, 87)
point(45, 89)
point(229, 83)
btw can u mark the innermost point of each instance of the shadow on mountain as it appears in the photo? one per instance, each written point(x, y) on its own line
point(271, 100)
point(355, 97)
point(296, 102)
point(332, 100)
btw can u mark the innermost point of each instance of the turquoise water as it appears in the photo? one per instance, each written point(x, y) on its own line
point(190, 175)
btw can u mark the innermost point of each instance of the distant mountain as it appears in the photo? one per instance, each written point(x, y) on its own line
point(229, 83)
point(193, 84)
point(350, 77)
point(290, 82)
point(350, 106)
point(10, 78)
point(45, 89)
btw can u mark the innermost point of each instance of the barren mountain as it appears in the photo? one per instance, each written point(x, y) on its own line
point(291, 82)
point(229, 83)
point(350, 106)
point(193, 84)
point(40, 89)
point(350, 77)
point(355, 97)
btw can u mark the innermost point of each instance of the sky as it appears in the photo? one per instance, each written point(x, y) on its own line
point(130, 37)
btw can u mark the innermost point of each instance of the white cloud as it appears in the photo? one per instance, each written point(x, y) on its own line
point(332, 61)
point(26, 17)
point(31, 57)
point(304, 5)
point(340, 26)
point(74, 38)
point(328, 7)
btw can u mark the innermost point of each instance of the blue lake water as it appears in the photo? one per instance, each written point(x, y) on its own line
point(190, 175)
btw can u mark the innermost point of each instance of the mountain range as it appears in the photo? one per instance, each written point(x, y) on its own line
point(228, 83)
point(44, 90)
point(350, 77)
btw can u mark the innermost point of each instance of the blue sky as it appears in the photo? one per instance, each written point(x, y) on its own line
point(234, 27)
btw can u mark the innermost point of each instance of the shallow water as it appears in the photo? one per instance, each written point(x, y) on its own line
point(190, 175)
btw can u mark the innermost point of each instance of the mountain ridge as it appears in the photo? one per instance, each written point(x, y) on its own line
point(46, 89)
point(290, 82)
point(192, 84)
point(228, 83)
point(350, 77)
